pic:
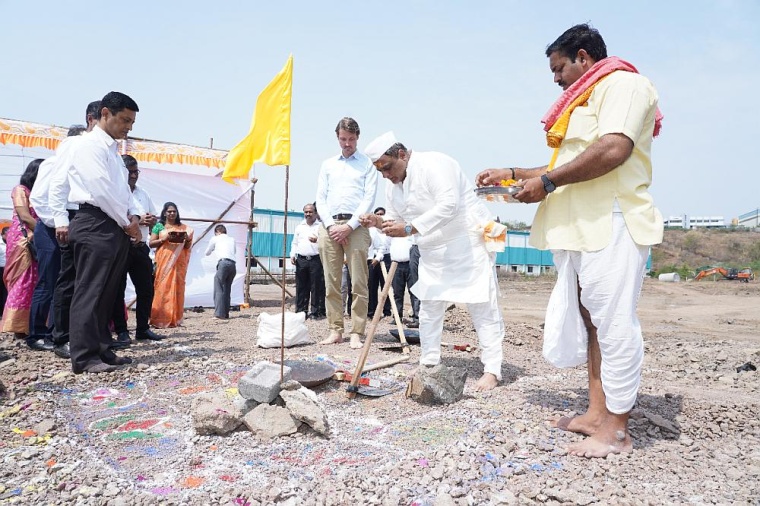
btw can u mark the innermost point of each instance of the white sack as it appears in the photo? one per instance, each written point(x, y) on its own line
point(269, 333)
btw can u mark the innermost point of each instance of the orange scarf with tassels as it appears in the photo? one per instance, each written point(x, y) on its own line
point(557, 119)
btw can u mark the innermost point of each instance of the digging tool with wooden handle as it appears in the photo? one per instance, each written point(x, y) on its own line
point(353, 388)
point(394, 309)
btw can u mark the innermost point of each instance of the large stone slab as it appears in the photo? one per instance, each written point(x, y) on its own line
point(262, 382)
point(214, 414)
point(439, 384)
point(271, 421)
point(303, 406)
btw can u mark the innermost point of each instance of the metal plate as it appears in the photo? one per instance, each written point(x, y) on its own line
point(310, 373)
point(412, 336)
point(498, 193)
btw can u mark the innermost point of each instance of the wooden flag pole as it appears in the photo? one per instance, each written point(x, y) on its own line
point(284, 265)
point(249, 247)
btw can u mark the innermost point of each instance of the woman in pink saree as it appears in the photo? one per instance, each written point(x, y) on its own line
point(172, 240)
point(20, 274)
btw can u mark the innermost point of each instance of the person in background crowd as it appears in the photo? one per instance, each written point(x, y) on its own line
point(224, 247)
point(139, 267)
point(3, 288)
point(20, 273)
point(172, 240)
point(400, 247)
point(48, 251)
point(379, 252)
point(413, 322)
point(345, 190)
point(304, 254)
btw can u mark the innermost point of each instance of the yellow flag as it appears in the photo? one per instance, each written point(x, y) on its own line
point(268, 141)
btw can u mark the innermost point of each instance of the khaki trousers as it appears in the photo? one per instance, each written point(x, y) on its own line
point(332, 255)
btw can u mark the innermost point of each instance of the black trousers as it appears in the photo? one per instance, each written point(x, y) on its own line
point(48, 267)
point(225, 275)
point(376, 283)
point(310, 285)
point(400, 285)
point(414, 263)
point(140, 270)
point(100, 248)
point(64, 291)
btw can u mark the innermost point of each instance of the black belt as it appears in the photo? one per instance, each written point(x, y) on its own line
point(88, 206)
point(343, 216)
point(226, 260)
point(138, 244)
point(307, 257)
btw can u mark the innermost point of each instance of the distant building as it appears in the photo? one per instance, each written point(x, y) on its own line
point(695, 222)
point(750, 219)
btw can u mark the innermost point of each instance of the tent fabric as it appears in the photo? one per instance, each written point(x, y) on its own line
point(197, 191)
point(36, 135)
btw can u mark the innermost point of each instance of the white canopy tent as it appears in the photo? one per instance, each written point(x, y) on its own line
point(185, 175)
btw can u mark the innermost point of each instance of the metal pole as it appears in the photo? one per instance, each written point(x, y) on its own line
point(284, 264)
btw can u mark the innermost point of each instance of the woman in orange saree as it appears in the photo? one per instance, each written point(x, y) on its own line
point(20, 274)
point(172, 240)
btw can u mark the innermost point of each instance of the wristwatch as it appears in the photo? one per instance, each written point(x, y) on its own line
point(548, 185)
point(408, 229)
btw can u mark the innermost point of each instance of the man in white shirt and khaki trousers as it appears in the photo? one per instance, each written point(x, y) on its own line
point(99, 233)
point(345, 190)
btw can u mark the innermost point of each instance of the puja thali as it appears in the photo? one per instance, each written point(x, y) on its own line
point(498, 193)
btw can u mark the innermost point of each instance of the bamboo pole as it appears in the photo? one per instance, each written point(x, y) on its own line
point(196, 241)
point(249, 246)
point(284, 264)
point(233, 222)
point(394, 309)
point(277, 281)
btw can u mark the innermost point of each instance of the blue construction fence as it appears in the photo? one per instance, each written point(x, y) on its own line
point(517, 256)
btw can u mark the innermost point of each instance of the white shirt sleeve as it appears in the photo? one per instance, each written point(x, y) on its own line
point(211, 246)
point(324, 211)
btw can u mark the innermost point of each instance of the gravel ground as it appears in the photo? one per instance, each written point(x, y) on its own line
point(126, 438)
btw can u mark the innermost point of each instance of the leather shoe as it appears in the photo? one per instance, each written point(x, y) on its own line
point(62, 350)
point(40, 344)
point(96, 368)
point(117, 360)
point(122, 341)
point(148, 334)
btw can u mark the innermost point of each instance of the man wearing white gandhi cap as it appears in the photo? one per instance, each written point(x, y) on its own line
point(430, 197)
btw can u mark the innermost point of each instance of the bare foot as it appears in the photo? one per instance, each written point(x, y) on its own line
point(602, 444)
point(486, 382)
point(356, 341)
point(334, 338)
point(586, 424)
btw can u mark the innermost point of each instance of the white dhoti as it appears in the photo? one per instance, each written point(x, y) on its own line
point(460, 270)
point(610, 280)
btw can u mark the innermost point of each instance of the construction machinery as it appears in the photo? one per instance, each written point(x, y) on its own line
point(744, 275)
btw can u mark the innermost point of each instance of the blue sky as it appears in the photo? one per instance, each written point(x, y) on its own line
point(466, 78)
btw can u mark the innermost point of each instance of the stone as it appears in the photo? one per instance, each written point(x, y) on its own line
point(214, 414)
point(661, 422)
point(243, 405)
point(271, 421)
point(439, 384)
point(262, 382)
point(45, 426)
point(303, 406)
point(291, 385)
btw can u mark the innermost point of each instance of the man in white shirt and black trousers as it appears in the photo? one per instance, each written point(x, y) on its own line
point(224, 246)
point(62, 211)
point(99, 234)
point(304, 254)
point(139, 267)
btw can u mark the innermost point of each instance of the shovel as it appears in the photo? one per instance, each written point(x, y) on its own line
point(394, 310)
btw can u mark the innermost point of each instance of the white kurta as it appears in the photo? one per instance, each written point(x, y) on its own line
point(438, 200)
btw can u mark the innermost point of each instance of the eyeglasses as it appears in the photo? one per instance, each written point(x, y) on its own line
point(136, 171)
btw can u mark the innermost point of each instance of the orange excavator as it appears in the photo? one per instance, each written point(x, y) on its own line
point(744, 275)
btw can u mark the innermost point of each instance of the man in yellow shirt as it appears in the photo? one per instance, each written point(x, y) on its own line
point(598, 218)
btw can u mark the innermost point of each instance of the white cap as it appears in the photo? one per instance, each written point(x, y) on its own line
point(379, 146)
